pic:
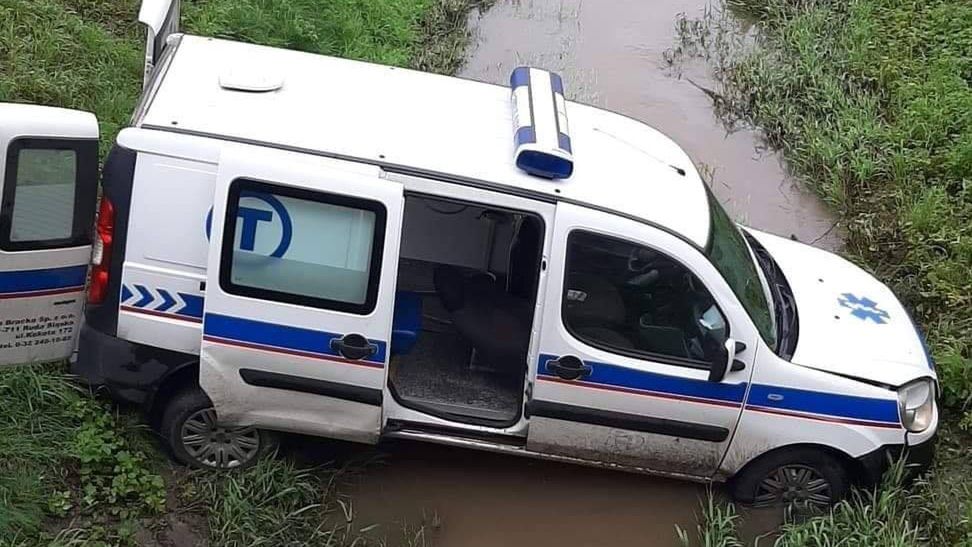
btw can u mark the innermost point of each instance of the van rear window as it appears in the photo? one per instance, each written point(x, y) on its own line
point(49, 194)
point(302, 247)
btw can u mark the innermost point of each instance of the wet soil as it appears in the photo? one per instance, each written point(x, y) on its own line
point(610, 53)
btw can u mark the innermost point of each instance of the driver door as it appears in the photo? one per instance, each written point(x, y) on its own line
point(48, 189)
point(628, 335)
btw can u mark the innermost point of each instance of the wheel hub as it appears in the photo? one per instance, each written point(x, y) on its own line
point(212, 445)
point(794, 483)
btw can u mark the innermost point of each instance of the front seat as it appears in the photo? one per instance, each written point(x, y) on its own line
point(594, 310)
point(525, 257)
point(590, 300)
point(496, 324)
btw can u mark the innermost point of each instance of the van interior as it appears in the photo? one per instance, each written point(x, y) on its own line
point(467, 287)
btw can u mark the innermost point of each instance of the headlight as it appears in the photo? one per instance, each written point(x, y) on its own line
point(916, 402)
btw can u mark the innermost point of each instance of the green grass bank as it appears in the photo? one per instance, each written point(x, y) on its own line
point(76, 471)
point(870, 102)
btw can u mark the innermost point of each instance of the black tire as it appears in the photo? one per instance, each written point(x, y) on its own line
point(194, 439)
point(806, 476)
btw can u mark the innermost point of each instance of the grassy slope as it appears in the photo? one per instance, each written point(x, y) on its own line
point(71, 470)
point(871, 103)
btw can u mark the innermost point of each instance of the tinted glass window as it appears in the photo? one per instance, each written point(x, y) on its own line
point(302, 247)
point(628, 298)
point(49, 194)
point(44, 195)
point(730, 254)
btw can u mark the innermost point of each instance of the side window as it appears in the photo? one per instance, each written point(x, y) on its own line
point(302, 247)
point(49, 194)
point(628, 298)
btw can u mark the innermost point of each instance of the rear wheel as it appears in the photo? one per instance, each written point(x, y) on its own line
point(804, 477)
point(196, 439)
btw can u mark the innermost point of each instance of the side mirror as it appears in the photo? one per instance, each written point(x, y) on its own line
point(725, 360)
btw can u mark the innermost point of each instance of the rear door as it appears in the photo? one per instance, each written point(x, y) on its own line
point(48, 189)
point(161, 20)
point(300, 292)
point(633, 319)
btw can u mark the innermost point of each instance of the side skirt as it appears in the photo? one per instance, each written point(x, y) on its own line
point(416, 434)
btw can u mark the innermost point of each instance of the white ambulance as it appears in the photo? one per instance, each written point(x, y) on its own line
point(297, 243)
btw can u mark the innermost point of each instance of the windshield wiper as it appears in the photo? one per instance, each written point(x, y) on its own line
point(786, 308)
point(784, 304)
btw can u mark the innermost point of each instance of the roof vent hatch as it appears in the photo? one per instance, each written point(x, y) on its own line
point(250, 80)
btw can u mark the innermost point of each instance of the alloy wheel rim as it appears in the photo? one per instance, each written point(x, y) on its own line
point(211, 445)
point(794, 485)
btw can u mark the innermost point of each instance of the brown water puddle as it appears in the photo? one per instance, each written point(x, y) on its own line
point(456, 497)
point(472, 499)
point(610, 54)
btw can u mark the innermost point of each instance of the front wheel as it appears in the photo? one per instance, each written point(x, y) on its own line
point(802, 477)
point(195, 438)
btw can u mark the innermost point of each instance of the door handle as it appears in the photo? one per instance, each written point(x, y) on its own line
point(570, 368)
point(353, 346)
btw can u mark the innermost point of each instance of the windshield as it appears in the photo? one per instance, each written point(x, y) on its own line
point(727, 249)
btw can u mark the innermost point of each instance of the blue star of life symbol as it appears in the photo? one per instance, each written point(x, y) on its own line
point(863, 308)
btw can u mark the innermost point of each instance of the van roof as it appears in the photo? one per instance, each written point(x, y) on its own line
point(420, 122)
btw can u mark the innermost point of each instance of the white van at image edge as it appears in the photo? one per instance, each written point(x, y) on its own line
point(290, 242)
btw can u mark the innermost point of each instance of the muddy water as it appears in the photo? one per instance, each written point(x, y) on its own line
point(473, 499)
point(610, 53)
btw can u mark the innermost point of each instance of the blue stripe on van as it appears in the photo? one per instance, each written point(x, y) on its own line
point(47, 280)
point(193, 307)
point(785, 401)
point(829, 404)
point(276, 337)
point(617, 378)
point(138, 298)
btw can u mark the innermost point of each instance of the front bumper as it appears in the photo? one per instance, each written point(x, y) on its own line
point(918, 459)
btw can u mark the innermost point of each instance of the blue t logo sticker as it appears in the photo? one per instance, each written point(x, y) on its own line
point(250, 218)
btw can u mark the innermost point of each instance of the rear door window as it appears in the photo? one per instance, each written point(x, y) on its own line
point(49, 194)
point(302, 247)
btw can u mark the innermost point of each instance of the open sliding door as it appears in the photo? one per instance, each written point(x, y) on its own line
point(300, 292)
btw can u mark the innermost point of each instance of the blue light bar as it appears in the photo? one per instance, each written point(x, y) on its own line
point(541, 135)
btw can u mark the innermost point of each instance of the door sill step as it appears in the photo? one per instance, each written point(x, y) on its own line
point(514, 446)
point(450, 435)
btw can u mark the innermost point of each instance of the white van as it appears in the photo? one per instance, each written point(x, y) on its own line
point(291, 242)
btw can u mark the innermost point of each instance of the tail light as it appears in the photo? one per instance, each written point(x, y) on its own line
point(101, 255)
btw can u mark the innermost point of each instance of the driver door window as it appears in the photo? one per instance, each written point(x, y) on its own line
point(627, 298)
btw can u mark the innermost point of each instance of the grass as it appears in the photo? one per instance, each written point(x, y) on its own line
point(64, 456)
point(870, 102)
point(74, 470)
point(717, 526)
point(297, 505)
point(87, 54)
